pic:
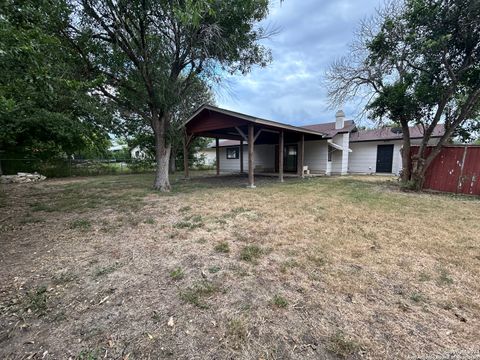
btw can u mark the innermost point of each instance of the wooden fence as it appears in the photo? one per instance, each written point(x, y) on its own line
point(456, 169)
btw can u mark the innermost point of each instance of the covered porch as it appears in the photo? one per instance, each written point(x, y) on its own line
point(283, 146)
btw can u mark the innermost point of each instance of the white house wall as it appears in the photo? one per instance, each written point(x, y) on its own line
point(316, 156)
point(363, 158)
point(264, 159)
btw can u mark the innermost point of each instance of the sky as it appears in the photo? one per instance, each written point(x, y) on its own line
point(313, 33)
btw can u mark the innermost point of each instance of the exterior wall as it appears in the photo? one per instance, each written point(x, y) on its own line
point(339, 163)
point(264, 159)
point(363, 158)
point(316, 156)
point(209, 156)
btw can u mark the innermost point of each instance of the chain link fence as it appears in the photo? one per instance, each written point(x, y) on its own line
point(74, 167)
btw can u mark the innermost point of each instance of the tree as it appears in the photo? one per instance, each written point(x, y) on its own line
point(146, 54)
point(45, 108)
point(142, 135)
point(417, 62)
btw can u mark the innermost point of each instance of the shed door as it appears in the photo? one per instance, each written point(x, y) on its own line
point(384, 158)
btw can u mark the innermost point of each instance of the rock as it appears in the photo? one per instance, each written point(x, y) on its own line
point(21, 178)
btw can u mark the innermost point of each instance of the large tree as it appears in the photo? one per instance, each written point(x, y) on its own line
point(45, 106)
point(418, 63)
point(146, 54)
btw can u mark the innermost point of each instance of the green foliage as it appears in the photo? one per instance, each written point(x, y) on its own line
point(177, 274)
point(45, 107)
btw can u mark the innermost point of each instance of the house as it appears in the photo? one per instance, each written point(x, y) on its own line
point(337, 147)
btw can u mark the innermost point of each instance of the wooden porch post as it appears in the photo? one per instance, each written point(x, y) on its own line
point(280, 156)
point(185, 156)
point(217, 155)
point(241, 156)
point(250, 156)
point(301, 156)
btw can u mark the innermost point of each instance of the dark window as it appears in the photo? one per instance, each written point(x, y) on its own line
point(233, 153)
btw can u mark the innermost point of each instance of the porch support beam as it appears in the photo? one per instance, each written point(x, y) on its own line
point(242, 134)
point(217, 154)
point(280, 156)
point(241, 156)
point(251, 141)
point(301, 156)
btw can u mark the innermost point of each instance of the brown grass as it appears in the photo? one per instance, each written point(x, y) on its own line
point(320, 268)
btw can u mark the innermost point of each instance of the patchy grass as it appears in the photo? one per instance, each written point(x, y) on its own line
point(104, 270)
point(279, 301)
point(251, 253)
point(198, 293)
point(396, 271)
point(222, 247)
point(36, 301)
point(81, 224)
point(177, 274)
point(342, 345)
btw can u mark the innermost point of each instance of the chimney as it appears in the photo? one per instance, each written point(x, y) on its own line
point(339, 119)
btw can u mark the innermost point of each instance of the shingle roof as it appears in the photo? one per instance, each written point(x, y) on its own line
point(329, 128)
point(387, 133)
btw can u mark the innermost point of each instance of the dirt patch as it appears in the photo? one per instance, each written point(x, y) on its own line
point(316, 268)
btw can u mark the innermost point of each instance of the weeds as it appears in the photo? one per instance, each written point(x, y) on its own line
point(251, 253)
point(177, 274)
point(417, 297)
point(81, 224)
point(36, 301)
point(197, 293)
point(279, 301)
point(342, 345)
point(105, 270)
point(222, 247)
point(444, 277)
point(237, 332)
point(64, 277)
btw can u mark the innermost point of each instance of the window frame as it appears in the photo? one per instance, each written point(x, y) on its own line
point(234, 148)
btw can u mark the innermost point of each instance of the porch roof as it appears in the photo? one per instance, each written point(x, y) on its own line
point(212, 121)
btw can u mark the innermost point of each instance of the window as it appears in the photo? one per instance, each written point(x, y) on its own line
point(233, 153)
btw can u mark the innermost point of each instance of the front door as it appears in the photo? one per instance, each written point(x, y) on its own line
point(384, 158)
point(290, 158)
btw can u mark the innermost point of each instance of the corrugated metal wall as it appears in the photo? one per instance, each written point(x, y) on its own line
point(456, 169)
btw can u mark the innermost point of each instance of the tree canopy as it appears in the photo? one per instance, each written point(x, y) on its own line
point(144, 56)
point(416, 62)
point(45, 106)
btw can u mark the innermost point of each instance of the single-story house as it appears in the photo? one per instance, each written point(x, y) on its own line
point(337, 147)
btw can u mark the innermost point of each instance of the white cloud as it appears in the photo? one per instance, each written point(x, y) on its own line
point(313, 34)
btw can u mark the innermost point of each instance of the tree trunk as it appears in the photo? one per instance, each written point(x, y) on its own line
point(162, 154)
point(406, 158)
point(173, 165)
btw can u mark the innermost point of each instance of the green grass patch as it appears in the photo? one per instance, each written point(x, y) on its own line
point(251, 253)
point(36, 301)
point(177, 274)
point(279, 301)
point(81, 224)
point(222, 247)
point(198, 293)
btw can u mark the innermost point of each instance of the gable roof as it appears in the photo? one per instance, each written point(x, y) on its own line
point(254, 120)
point(329, 128)
point(386, 133)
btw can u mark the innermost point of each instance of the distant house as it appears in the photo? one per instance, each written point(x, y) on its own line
point(138, 153)
point(337, 147)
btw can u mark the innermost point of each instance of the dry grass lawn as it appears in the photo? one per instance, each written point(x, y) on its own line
point(324, 268)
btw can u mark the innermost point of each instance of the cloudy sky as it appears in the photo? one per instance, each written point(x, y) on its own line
point(312, 34)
